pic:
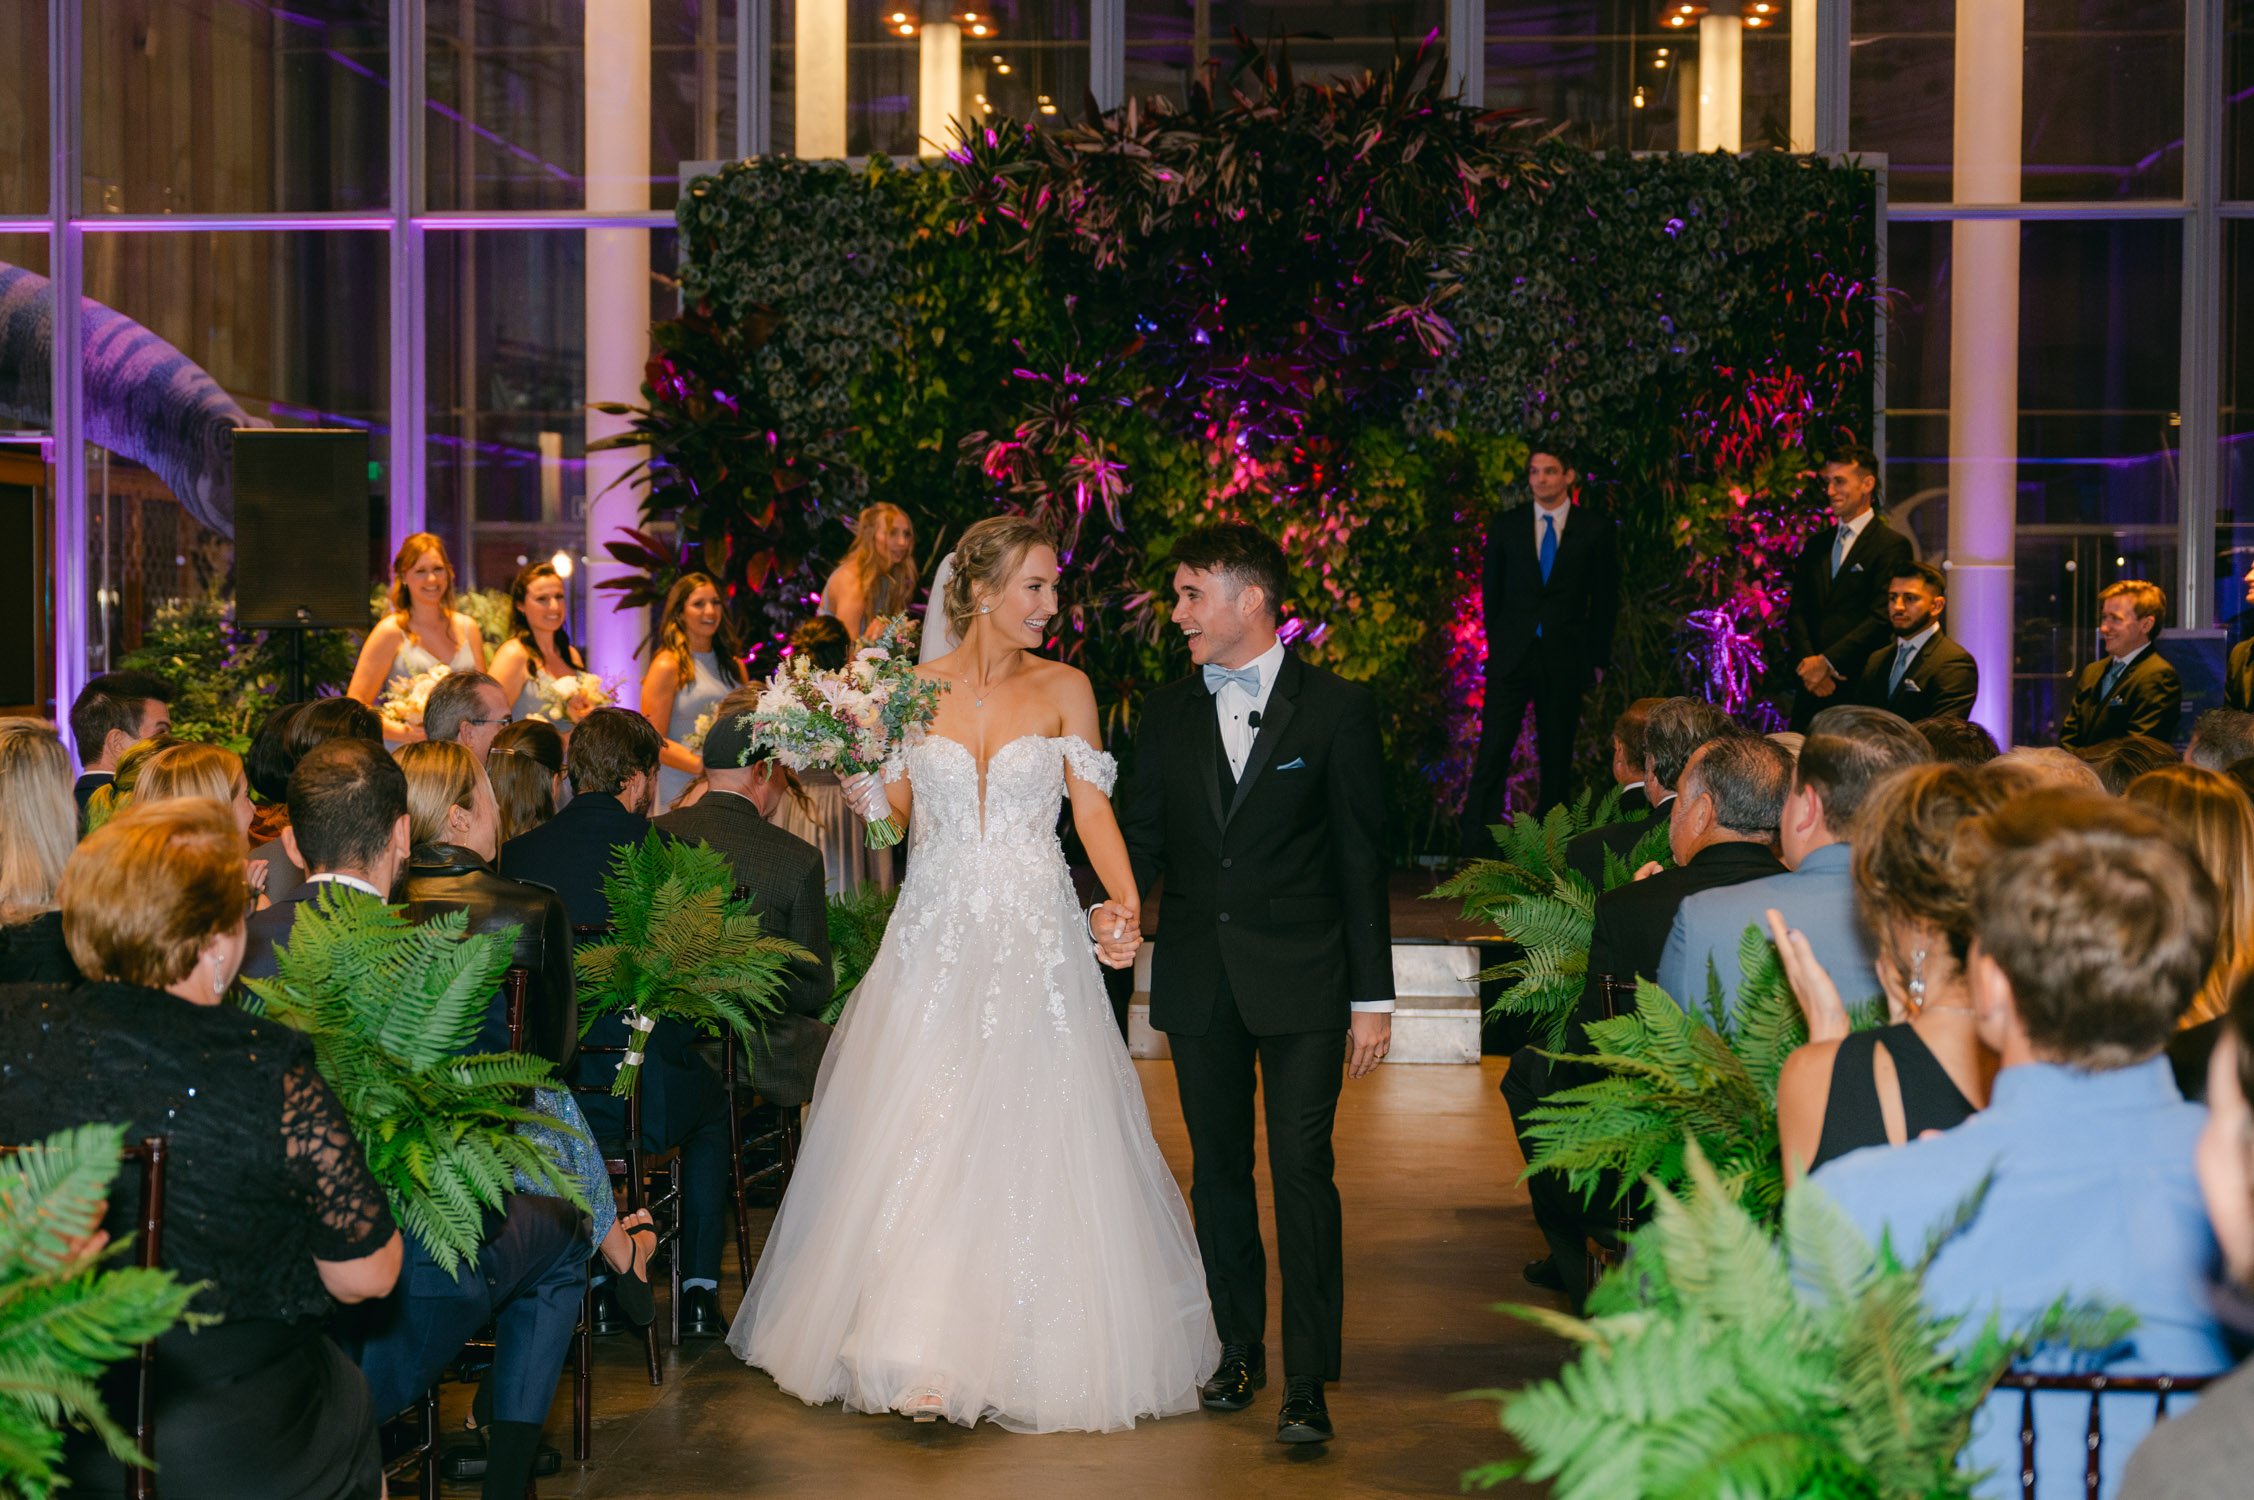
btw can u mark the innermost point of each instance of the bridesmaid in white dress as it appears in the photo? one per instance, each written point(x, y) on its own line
point(422, 630)
point(539, 648)
point(695, 664)
point(823, 817)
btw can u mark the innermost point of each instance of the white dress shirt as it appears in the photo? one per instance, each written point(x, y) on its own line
point(1905, 652)
point(1854, 530)
point(341, 878)
point(1560, 514)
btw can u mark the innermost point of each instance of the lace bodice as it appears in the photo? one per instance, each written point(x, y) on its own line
point(1024, 786)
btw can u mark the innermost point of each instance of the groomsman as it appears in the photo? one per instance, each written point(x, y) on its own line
point(1838, 614)
point(1923, 674)
point(2130, 689)
point(1551, 591)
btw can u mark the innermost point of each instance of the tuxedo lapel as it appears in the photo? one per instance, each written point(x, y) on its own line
point(1273, 721)
point(1208, 750)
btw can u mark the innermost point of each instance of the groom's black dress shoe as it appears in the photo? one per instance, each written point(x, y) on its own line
point(1544, 1273)
point(1243, 1370)
point(1304, 1418)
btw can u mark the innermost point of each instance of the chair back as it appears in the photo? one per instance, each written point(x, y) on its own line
point(2096, 1387)
point(516, 986)
point(1617, 995)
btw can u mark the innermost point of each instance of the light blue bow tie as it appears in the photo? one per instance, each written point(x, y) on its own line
point(1247, 678)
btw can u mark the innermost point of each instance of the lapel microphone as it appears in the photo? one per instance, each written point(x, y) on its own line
point(1253, 718)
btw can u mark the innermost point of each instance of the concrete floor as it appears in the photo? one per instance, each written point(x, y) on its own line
point(1435, 1233)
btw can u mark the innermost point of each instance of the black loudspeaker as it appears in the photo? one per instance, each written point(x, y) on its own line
point(301, 527)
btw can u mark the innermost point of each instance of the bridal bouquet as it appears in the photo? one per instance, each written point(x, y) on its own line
point(402, 703)
point(557, 695)
point(854, 720)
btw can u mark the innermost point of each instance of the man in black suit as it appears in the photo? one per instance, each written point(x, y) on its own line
point(611, 759)
point(1257, 801)
point(108, 717)
point(1551, 592)
point(1923, 674)
point(2131, 689)
point(1838, 613)
point(1672, 729)
point(782, 875)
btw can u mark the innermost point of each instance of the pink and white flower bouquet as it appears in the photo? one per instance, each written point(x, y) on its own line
point(402, 702)
point(567, 699)
point(856, 719)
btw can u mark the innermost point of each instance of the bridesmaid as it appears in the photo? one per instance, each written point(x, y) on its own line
point(539, 648)
point(422, 630)
point(697, 662)
point(878, 576)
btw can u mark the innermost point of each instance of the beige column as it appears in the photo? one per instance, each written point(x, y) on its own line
point(818, 84)
point(1721, 80)
point(939, 86)
point(1803, 43)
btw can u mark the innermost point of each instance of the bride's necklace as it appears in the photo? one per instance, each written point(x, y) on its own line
point(979, 691)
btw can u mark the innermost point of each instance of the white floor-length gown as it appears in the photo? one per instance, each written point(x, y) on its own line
point(978, 1206)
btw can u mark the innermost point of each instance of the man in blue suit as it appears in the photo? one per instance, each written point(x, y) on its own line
point(1848, 751)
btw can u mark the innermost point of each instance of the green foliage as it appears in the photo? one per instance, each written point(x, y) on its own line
point(857, 922)
point(1722, 1362)
point(681, 948)
point(390, 1004)
point(65, 1313)
point(224, 679)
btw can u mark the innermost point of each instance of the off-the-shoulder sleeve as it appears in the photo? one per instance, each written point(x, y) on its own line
point(1088, 763)
point(351, 1217)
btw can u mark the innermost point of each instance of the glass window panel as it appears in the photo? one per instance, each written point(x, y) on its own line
point(195, 107)
point(24, 395)
point(291, 325)
point(2238, 98)
point(23, 109)
point(1170, 41)
point(507, 86)
point(1629, 78)
point(1027, 59)
point(2234, 512)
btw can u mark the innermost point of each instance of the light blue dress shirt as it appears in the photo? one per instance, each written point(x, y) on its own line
point(2093, 1196)
point(1818, 899)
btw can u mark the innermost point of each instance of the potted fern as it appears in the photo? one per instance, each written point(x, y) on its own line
point(857, 921)
point(1725, 1362)
point(65, 1313)
point(681, 948)
point(389, 1004)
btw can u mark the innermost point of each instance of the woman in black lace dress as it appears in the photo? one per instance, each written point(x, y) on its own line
point(268, 1198)
point(35, 839)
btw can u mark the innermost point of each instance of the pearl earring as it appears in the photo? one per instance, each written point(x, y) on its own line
point(986, 609)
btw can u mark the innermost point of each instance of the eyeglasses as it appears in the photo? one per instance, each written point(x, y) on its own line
point(504, 721)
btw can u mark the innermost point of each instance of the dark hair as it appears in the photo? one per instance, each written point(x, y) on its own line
point(345, 798)
point(1247, 556)
point(326, 719)
point(2220, 739)
point(267, 764)
point(608, 747)
point(822, 640)
point(520, 628)
point(453, 703)
point(1848, 750)
point(1958, 742)
point(1935, 581)
point(1564, 457)
point(2100, 918)
point(114, 700)
point(2242, 772)
point(2119, 762)
point(1857, 457)
point(1628, 730)
point(1746, 776)
point(2238, 1024)
point(1677, 727)
point(1907, 863)
point(523, 764)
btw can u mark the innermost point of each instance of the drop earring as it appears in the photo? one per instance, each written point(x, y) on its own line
point(1917, 979)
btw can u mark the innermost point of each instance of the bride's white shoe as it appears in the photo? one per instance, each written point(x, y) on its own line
point(923, 1404)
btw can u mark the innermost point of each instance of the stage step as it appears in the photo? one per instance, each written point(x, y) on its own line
point(1435, 1010)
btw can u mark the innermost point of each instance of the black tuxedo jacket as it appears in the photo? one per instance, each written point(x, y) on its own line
point(1278, 883)
point(2149, 699)
point(1942, 681)
point(2238, 679)
point(1843, 619)
point(1574, 612)
point(1584, 852)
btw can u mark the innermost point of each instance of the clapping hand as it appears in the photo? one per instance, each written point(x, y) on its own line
point(1811, 986)
point(1118, 931)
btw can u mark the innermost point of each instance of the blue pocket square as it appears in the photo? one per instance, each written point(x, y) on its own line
point(1296, 763)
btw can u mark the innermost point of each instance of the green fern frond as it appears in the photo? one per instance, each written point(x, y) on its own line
point(857, 922)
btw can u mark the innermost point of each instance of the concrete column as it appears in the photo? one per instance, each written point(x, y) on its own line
point(1803, 123)
point(1721, 81)
point(819, 83)
point(939, 87)
point(1984, 351)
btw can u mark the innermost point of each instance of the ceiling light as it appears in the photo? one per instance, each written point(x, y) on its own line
point(561, 562)
point(907, 31)
point(979, 29)
point(1002, 68)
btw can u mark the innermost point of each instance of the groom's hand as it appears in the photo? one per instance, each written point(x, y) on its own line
point(1368, 1037)
point(1118, 931)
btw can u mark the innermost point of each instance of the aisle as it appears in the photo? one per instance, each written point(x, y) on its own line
point(1435, 1233)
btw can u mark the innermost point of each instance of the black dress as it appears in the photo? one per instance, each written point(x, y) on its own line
point(33, 952)
point(1931, 1099)
point(264, 1177)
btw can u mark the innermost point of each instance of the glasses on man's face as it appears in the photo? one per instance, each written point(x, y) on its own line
point(504, 721)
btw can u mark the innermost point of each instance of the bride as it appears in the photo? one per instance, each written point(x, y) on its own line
point(979, 1224)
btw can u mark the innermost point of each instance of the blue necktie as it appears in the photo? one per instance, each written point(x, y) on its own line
point(1903, 655)
point(2112, 677)
point(1838, 549)
point(1247, 678)
point(1549, 546)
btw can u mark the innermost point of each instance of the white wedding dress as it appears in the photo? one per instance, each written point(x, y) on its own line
point(979, 1208)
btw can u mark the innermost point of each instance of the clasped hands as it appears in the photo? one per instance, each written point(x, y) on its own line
point(1817, 676)
point(1118, 930)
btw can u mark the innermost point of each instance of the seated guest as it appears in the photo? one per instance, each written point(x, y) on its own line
point(612, 760)
point(1628, 755)
point(526, 767)
point(1733, 790)
point(2092, 933)
point(112, 796)
point(36, 838)
point(268, 1200)
point(2052, 767)
point(1958, 742)
point(468, 708)
point(2213, 817)
point(1787, 740)
point(1848, 751)
point(110, 715)
point(1926, 1069)
point(310, 724)
point(783, 877)
point(2131, 689)
point(2220, 739)
point(1673, 729)
point(357, 798)
point(208, 771)
point(266, 766)
point(2119, 762)
point(1921, 673)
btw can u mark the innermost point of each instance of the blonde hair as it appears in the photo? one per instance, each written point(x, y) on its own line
point(441, 776)
point(673, 633)
point(886, 588)
point(110, 800)
point(985, 558)
point(411, 552)
point(191, 770)
point(149, 888)
point(42, 822)
point(2215, 819)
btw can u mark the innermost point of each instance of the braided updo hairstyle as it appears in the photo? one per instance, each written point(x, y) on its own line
point(984, 560)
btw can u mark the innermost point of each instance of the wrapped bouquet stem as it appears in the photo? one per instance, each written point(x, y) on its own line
point(853, 721)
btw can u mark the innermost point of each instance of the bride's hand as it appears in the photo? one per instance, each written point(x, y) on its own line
point(865, 794)
point(1118, 931)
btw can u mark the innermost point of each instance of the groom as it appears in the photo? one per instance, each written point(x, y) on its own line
point(1257, 801)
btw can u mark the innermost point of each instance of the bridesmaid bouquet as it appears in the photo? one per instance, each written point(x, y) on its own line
point(853, 720)
point(402, 703)
point(558, 694)
point(693, 741)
